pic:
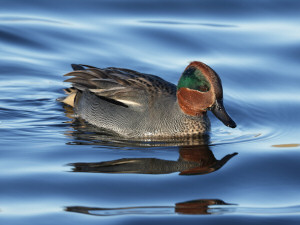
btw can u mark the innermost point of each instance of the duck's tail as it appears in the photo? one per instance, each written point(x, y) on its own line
point(70, 98)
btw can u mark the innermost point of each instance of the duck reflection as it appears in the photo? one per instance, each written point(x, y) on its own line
point(192, 160)
point(195, 207)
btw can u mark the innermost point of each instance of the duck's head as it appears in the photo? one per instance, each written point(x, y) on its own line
point(200, 89)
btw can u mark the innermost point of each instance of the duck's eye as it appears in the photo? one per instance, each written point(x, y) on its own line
point(203, 88)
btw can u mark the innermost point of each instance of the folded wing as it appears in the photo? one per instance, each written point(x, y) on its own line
point(121, 85)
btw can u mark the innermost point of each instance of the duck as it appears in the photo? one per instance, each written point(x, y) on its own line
point(131, 104)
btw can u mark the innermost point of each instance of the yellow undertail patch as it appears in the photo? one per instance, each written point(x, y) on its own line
point(69, 100)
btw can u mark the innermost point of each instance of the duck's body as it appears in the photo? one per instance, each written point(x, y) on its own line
point(136, 105)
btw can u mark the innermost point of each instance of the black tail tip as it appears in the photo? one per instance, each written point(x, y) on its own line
point(77, 67)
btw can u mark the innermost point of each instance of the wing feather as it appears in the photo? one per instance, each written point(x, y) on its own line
point(123, 85)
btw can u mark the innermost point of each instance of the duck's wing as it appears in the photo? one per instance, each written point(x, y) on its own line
point(126, 86)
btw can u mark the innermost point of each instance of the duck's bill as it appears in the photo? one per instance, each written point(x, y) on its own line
point(220, 112)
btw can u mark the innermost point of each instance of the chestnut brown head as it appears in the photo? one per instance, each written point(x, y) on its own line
point(200, 89)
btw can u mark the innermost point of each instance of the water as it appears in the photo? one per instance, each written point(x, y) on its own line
point(56, 171)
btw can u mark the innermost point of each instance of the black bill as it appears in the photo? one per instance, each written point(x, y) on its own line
point(220, 112)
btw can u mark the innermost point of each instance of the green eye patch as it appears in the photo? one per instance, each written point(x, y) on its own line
point(193, 78)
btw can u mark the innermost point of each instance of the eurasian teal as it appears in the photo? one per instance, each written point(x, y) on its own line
point(138, 105)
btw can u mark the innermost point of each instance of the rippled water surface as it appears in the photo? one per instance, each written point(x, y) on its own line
point(55, 170)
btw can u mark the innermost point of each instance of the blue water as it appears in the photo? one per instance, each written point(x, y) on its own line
point(54, 170)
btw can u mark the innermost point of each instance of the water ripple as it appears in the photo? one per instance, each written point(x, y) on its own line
point(170, 22)
point(31, 20)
